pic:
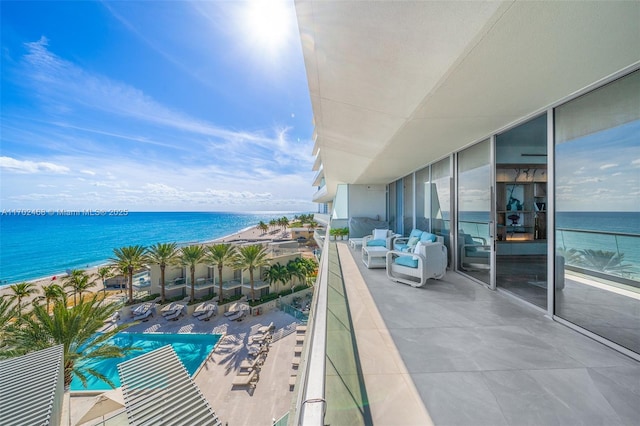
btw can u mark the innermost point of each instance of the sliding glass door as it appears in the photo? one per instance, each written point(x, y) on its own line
point(474, 211)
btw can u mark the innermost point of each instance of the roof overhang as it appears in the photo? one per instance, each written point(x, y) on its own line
point(397, 85)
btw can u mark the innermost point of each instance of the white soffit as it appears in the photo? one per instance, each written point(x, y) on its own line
point(396, 85)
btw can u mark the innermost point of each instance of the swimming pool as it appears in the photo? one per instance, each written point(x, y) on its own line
point(192, 349)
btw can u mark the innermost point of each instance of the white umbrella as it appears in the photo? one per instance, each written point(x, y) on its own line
point(103, 404)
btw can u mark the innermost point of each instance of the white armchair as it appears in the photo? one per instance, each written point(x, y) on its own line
point(379, 237)
point(429, 260)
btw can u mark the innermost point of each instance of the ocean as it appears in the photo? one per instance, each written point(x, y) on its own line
point(34, 247)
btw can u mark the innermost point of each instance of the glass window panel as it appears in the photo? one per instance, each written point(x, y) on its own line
point(441, 200)
point(598, 211)
point(408, 204)
point(423, 197)
point(474, 210)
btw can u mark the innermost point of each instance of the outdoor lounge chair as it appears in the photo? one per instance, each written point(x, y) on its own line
point(175, 314)
point(206, 316)
point(144, 316)
point(168, 309)
point(250, 365)
point(257, 351)
point(260, 337)
point(246, 379)
point(429, 260)
point(266, 328)
point(141, 309)
point(204, 309)
point(236, 316)
point(113, 318)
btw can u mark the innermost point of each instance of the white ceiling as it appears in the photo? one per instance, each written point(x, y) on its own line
point(397, 85)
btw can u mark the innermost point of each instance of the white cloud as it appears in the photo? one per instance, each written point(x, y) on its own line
point(27, 166)
point(608, 166)
point(636, 162)
point(88, 172)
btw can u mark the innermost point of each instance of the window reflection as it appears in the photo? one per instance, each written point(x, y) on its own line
point(598, 211)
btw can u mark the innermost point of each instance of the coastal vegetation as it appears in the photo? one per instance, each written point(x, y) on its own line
point(221, 255)
point(21, 291)
point(78, 281)
point(189, 257)
point(74, 327)
point(129, 259)
point(250, 258)
point(162, 254)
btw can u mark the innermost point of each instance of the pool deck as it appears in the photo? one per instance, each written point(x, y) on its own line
point(271, 397)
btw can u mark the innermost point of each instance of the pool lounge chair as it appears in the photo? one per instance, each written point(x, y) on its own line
point(255, 351)
point(168, 309)
point(144, 316)
point(266, 328)
point(113, 318)
point(236, 316)
point(141, 309)
point(175, 314)
point(246, 379)
point(206, 316)
point(203, 308)
point(250, 365)
point(260, 337)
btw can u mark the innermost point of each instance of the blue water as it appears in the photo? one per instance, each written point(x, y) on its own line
point(39, 246)
point(192, 349)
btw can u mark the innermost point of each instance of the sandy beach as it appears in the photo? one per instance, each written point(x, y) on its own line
point(248, 234)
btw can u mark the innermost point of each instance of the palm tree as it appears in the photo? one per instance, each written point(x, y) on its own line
point(221, 255)
point(20, 291)
point(285, 222)
point(251, 258)
point(605, 261)
point(273, 223)
point(78, 281)
point(104, 273)
point(297, 269)
point(263, 227)
point(163, 254)
point(190, 256)
point(312, 224)
point(277, 273)
point(51, 292)
point(75, 328)
point(7, 312)
point(129, 258)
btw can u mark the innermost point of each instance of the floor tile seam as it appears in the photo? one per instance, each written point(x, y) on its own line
point(505, 370)
point(347, 258)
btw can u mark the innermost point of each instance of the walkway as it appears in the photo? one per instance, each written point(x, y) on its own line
point(479, 357)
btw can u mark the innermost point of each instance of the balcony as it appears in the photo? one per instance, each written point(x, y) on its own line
point(453, 352)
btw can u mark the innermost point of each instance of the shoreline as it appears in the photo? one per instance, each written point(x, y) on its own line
point(250, 233)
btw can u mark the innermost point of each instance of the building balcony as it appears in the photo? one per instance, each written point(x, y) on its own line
point(175, 283)
point(257, 285)
point(452, 352)
point(321, 195)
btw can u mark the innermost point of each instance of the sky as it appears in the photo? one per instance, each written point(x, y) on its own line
point(154, 106)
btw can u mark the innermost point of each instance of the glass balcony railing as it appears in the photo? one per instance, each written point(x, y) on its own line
point(608, 254)
point(332, 389)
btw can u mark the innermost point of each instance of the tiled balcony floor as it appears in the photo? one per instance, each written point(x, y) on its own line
point(478, 357)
